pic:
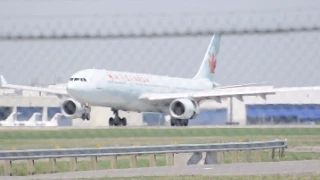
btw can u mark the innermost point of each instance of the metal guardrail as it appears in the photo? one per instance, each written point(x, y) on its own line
point(133, 151)
point(136, 150)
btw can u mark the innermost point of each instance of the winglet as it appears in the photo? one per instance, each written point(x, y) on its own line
point(3, 81)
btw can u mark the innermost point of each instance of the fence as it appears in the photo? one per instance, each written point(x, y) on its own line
point(133, 152)
point(280, 47)
point(256, 46)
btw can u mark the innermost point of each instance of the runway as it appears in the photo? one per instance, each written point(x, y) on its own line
point(264, 168)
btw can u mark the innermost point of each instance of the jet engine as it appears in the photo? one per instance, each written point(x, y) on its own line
point(184, 109)
point(72, 108)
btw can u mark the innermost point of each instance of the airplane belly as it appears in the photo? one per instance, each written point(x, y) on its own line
point(105, 98)
point(141, 106)
point(126, 103)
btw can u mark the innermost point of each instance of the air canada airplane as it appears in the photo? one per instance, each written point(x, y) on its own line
point(135, 92)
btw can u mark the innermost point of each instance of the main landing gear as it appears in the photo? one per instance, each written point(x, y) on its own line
point(116, 120)
point(179, 122)
point(86, 114)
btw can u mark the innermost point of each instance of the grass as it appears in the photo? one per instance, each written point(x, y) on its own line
point(41, 166)
point(308, 140)
point(27, 139)
point(262, 177)
point(143, 132)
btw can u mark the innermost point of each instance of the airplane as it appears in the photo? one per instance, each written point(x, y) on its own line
point(10, 119)
point(30, 122)
point(53, 122)
point(137, 92)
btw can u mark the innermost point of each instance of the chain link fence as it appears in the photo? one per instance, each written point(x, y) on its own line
point(278, 47)
point(269, 46)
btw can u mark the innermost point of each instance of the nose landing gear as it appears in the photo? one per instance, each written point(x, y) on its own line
point(116, 120)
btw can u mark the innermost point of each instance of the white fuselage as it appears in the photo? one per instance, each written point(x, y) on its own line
point(121, 90)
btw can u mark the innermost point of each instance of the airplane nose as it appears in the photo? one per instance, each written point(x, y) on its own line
point(71, 88)
point(75, 89)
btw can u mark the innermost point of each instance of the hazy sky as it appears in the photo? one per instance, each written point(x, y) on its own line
point(282, 59)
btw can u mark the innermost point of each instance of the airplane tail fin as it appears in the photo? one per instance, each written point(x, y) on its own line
point(56, 117)
point(12, 117)
point(208, 65)
point(35, 117)
point(3, 81)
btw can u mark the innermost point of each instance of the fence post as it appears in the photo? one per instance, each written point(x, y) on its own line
point(272, 153)
point(133, 161)
point(8, 168)
point(258, 155)
point(170, 159)
point(222, 158)
point(31, 168)
point(235, 156)
point(248, 153)
point(114, 162)
point(152, 160)
point(94, 162)
point(73, 163)
point(282, 152)
point(53, 165)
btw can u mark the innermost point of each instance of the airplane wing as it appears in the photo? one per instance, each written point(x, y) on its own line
point(56, 91)
point(214, 94)
point(239, 85)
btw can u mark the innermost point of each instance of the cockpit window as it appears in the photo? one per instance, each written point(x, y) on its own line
point(78, 79)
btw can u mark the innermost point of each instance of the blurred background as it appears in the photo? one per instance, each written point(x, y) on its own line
point(44, 42)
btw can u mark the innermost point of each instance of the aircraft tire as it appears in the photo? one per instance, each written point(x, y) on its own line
point(124, 121)
point(179, 122)
point(83, 116)
point(88, 116)
point(173, 121)
point(185, 122)
point(111, 121)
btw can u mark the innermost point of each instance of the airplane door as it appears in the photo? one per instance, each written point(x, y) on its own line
point(99, 84)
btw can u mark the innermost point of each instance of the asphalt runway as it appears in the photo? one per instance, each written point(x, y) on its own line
point(264, 168)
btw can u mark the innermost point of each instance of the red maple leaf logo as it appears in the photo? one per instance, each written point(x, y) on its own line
point(212, 63)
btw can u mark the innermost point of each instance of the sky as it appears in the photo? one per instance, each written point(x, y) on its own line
point(283, 59)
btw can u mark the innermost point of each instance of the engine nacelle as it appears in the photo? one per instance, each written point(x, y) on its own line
point(72, 108)
point(184, 109)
